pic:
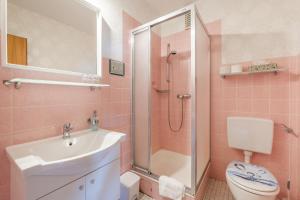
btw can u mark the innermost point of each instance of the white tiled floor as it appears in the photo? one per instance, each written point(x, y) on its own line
point(172, 164)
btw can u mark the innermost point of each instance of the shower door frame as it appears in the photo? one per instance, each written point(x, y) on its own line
point(194, 14)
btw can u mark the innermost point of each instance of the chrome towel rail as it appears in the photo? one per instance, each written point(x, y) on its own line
point(289, 130)
point(17, 82)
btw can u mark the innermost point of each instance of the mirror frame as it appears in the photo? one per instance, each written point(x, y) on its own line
point(4, 58)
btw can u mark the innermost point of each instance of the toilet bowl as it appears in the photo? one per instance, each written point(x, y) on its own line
point(251, 182)
point(248, 181)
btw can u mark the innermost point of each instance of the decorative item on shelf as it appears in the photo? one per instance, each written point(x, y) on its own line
point(253, 69)
point(236, 68)
point(225, 70)
point(90, 78)
point(263, 68)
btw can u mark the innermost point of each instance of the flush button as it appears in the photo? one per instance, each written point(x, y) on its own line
point(116, 67)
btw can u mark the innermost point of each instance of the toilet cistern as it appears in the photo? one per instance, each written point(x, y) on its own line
point(250, 135)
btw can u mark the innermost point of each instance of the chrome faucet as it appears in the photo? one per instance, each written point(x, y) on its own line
point(94, 121)
point(67, 128)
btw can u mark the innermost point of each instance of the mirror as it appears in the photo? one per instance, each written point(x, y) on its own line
point(61, 36)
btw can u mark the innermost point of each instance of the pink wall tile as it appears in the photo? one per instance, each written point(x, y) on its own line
point(261, 95)
point(36, 112)
point(20, 109)
point(180, 84)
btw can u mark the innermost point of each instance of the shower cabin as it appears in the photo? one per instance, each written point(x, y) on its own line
point(171, 98)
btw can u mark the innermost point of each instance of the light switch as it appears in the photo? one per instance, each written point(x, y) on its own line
point(116, 67)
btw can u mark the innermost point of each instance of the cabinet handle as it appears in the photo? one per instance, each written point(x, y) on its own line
point(81, 187)
point(92, 181)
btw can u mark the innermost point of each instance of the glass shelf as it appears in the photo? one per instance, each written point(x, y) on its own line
point(248, 73)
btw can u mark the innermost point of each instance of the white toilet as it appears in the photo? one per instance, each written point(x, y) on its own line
point(247, 181)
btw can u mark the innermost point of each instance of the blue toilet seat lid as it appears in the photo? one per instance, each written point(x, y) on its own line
point(252, 176)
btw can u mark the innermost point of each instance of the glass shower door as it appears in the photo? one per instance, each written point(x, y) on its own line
point(141, 105)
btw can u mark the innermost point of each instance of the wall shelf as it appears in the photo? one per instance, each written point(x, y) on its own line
point(275, 71)
point(17, 82)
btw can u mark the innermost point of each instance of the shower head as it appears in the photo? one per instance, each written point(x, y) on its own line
point(169, 52)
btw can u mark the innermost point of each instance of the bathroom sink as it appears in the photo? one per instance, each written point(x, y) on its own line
point(57, 156)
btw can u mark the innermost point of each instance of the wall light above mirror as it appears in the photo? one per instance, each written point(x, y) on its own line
point(60, 36)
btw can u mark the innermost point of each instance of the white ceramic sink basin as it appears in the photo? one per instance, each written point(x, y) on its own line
point(58, 156)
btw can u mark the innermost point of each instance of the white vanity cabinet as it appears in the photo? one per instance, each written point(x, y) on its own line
point(51, 169)
point(103, 184)
point(74, 191)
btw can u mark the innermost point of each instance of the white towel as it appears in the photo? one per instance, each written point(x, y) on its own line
point(171, 188)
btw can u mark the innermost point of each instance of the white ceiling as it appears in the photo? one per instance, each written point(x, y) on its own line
point(70, 12)
point(165, 6)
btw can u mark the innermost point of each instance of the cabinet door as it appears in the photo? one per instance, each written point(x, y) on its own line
point(72, 191)
point(104, 184)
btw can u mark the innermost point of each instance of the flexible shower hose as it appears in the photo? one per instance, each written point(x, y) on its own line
point(169, 112)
